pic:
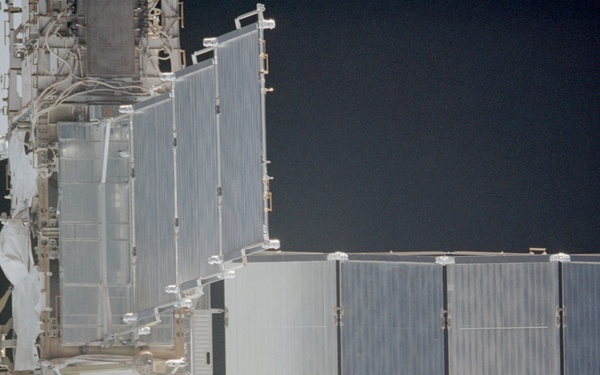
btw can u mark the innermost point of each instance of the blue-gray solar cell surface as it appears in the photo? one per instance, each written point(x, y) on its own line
point(197, 160)
point(154, 202)
point(503, 318)
point(581, 290)
point(197, 174)
point(209, 129)
point(391, 315)
point(240, 127)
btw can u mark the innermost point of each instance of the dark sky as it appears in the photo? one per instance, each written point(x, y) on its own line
point(427, 125)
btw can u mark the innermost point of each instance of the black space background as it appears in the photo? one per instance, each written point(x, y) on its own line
point(429, 125)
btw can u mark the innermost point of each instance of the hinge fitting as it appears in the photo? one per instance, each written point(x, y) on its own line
point(338, 316)
point(445, 319)
point(561, 316)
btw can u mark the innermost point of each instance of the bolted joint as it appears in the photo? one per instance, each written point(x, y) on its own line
point(338, 255)
point(268, 24)
point(444, 260)
point(129, 318)
point(271, 244)
point(560, 257)
point(215, 259)
point(210, 42)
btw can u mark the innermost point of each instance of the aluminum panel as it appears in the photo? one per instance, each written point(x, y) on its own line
point(79, 202)
point(391, 315)
point(88, 208)
point(117, 231)
point(153, 195)
point(503, 318)
point(581, 296)
point(201, 351)
point(117, 197)
point(240, 127)
point(86, 231)
point(118, 267)
point(280, 319)
point(197, 181)
point(81, 321)
point(80, 261)
point(77, 170)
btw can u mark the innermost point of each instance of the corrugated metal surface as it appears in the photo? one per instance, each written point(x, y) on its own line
point(80, 314)
point(281, 319)
point(202, 343)
point(154, 192)
point(391, 315)
point(166, 256)
point(195, 119)
point(503, 319)
point(581, 291)
point(82, 228)
point(112, 37)
point(241, 139)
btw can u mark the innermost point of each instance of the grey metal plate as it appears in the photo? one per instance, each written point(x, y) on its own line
point(503, 318)
point(581, 291)
point(391, 318)
point(240, 140)
point(201, 343)
point(280, 319)
point(154, 202)
point(109, 35)
point(197, 179)
point(82, 229)
point(80, 322)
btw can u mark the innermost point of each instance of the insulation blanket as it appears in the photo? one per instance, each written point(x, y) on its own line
point(23, 174)
point(17, 263)
point(27, 308)
point(14, 250)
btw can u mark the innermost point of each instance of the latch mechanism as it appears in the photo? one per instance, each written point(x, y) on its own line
point(561, 316)
point(445, 319)
point(338, 316)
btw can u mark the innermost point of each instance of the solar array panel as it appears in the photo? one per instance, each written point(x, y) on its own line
point(403, 315)
point(184, 180)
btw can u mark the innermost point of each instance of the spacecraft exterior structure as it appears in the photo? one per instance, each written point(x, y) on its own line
point(140, 200)
point(135, 182)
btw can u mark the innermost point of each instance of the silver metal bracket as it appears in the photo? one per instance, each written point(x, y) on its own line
point(560, 257)
point(338, 255)
point(444, 260)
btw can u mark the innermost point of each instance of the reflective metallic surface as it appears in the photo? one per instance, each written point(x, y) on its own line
point(94, 228)
point(197, 181)
point(503, 318)
point(241, 138)
point(390, 322)
point(581, 288)
point(280, 319)
point(154, 202)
